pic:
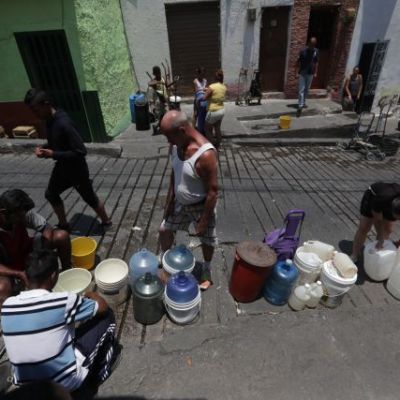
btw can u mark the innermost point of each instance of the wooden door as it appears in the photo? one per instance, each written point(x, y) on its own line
point(273, 48)
point(194, 40)
point(322, 24)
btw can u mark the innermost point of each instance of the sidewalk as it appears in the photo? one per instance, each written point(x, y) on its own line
point(322, 123)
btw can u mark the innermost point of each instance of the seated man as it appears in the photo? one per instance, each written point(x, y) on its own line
point(16, 216)
point(39, 334)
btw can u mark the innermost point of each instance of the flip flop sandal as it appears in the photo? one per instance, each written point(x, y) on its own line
point(205, 280)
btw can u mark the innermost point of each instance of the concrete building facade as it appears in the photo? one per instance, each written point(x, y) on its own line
point(378, 22)
point(253, 34)
point(77, 51)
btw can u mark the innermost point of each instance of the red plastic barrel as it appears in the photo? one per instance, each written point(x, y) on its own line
point(252, 266)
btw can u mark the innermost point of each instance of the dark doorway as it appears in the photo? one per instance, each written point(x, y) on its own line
point(371, 61)
point(49, 66)
point(322, 25)
point(194, 40)
point(273, 47)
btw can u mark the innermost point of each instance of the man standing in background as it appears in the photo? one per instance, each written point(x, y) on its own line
point(307, 64)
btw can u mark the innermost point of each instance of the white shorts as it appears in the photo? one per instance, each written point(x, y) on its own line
point(213, 117)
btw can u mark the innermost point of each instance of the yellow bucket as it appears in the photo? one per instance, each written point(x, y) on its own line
point(83, 250)
point(284, 121)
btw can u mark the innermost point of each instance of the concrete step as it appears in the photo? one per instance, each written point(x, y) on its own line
point(305, 127)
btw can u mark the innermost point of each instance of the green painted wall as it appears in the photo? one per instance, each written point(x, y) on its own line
point(32, 15)
point(105, 56)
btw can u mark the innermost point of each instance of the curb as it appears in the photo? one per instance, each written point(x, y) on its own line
point(24, 146)
point(289, 142)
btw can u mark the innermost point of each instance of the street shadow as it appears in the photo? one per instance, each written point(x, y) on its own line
point(293, 105)
point(83, 225)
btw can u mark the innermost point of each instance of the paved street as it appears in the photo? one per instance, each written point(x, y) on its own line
point(234, 350)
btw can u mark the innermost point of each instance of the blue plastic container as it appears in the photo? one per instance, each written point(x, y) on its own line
point(280, 283)
point(132, 99)
point(141, 262)
point(182, 288)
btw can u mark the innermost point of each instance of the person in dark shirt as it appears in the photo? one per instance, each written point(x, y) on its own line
point(16, 217)
point(66, 147)
point(307, 64)
point(380, 206)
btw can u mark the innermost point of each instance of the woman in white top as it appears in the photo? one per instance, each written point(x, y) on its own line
point(200, 84)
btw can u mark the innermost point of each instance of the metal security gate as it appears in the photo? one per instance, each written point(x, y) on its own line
point(49, 66)
point(370, 68)
point(194, 40)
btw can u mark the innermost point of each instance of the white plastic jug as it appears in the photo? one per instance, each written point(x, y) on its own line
point(378, 264)
point(316, 293)
point(344, 265)
point(299, 297)
point(323, 250)
point(393, 284)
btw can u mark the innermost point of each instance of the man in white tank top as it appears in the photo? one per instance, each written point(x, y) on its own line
point(193, 191)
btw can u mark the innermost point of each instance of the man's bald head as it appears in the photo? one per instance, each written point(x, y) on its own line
point(173, 124)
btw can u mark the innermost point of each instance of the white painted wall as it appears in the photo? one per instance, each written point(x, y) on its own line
point(146, 29)
point(372, 22)
point(240, 38)
point(389, 80)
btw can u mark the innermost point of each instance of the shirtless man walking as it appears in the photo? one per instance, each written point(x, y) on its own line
point(193, 191)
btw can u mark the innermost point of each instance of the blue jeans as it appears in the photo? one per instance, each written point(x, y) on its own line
point(305, 81)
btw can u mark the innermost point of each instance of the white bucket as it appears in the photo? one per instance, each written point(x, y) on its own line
point(378, 264)
point(173, 271)
point(308, 264)
point(333, 283)
point(75, 280)
point(183, 313)
point(111, 276)
point(115, 297)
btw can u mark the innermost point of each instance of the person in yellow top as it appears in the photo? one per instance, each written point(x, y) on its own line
point(215, 96)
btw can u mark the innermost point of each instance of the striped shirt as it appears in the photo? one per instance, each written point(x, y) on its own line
point(38, 331)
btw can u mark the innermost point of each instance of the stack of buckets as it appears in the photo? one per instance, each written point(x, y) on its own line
point(314, 259)
point(111, 276)
point(182, 296)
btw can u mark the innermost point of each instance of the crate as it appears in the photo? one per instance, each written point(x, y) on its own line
point(25, 131)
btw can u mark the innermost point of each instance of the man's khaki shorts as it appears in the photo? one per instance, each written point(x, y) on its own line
point(184, 215)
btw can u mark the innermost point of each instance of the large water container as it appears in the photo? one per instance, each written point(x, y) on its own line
point(323, 250)
point(182, 298)
point(177, 259)
point(280, 284)
point(378, 264)
point(142, 115)
point(141, 262)
point(132, 99)
point(148, 295)
point(393, 284)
